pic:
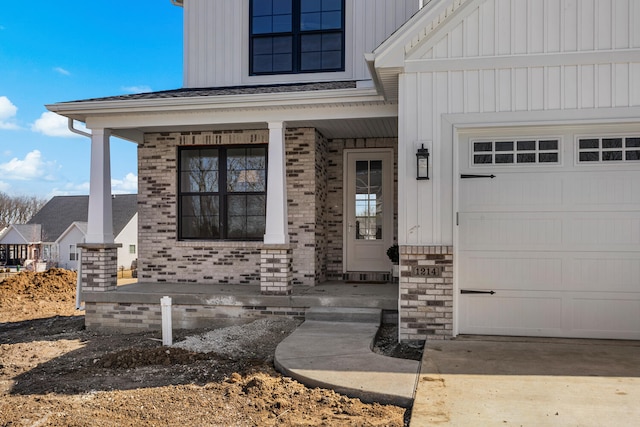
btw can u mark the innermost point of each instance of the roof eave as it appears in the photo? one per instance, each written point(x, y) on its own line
point(80, 110)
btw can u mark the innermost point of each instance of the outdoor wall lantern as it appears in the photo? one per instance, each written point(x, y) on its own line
point(422, 163)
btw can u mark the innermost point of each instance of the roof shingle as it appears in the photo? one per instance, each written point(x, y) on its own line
point(61, 211)
point(231, 90)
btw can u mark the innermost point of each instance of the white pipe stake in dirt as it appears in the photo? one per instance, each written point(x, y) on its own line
point(165, 304)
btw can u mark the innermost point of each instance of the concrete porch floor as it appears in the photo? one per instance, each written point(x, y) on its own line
point(329, 294)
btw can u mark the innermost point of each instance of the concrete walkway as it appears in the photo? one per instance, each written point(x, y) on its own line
point(499, 381)
point(332, 349)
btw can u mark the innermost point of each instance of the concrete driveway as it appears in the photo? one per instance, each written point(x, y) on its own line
point(491, 381)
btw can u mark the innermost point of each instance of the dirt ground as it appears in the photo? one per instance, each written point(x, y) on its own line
point(55, 373)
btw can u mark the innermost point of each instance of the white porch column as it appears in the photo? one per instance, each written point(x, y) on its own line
point(277, 228)
point(100, 222)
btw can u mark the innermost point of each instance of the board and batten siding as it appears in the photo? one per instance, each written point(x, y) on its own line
point(508, 56)
point(216, 41)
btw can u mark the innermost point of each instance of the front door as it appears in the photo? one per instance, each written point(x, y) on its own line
point(369, 209)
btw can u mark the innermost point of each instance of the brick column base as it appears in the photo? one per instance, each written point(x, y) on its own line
point(426, 294)
point(99, 264)
point(276, 273)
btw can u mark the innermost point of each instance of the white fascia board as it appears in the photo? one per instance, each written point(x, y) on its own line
point(449, 18)
point(223, 102)
point(391, 53)
point(256, 114)
point(370, 59)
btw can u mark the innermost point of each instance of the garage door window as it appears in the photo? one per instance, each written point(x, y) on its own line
point(614, 149)
point(516, 151)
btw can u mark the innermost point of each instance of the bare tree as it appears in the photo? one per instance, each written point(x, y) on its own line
point(18, 209)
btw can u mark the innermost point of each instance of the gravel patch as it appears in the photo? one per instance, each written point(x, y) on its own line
point(238, 341)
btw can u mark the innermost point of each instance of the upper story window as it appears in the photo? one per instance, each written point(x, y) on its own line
point(296, 36)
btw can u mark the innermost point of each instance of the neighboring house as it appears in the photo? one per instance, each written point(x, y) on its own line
point(291, 158)
point(68, 251)
point(22, 246)
point(52, 236)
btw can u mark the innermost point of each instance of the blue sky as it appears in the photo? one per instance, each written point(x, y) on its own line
point(77, 49)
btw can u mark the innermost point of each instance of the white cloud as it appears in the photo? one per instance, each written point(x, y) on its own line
point(62, 71)
point(137, 89)
point(127, 185)
point(52, 124)
point(4, 186)
point(33, 166)
point(7, 113)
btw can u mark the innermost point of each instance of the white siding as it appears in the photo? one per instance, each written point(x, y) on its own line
point(216, 44)
point(508, 56)
point(12, 237)
point(517, 27)
point(127, 237)
point(213, 42)
point(73, 236)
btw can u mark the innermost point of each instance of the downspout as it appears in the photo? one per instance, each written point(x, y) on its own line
point(370, 59)
point(74, 130)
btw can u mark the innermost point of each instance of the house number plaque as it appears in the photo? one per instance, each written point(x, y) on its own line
point(427, 271)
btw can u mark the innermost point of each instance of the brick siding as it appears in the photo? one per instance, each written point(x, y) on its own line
point(99, 267)
point(426, 304)
point(133, 317)
point(162, 258)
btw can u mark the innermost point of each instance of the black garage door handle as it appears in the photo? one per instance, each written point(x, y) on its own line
point(466, 176)
point(468, 291)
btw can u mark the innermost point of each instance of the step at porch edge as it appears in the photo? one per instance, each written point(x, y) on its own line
point(344, 314)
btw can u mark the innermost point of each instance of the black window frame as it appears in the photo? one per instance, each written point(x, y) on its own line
point(222, 194)
point(296, 34)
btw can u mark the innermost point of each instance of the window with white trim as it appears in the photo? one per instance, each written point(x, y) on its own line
point(296, 36)
point(515, 151)
point(608, 149)
point(73, 253)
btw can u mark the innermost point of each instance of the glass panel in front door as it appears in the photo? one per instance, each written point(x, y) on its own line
point(369, 200)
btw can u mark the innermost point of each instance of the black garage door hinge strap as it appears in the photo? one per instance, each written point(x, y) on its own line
point(468, 291)
point(466, 176)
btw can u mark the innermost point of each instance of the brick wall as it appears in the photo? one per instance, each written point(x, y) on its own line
point(162, 258)
point(276, 271)
point(315, 202)
point(133, 317)
point(426, 304)
point(99, 267)
point(321, 209)
point(305, 188)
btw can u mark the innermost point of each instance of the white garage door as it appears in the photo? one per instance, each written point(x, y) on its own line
point(551, 245)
